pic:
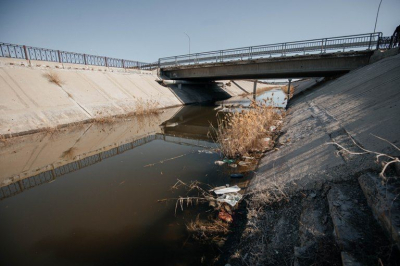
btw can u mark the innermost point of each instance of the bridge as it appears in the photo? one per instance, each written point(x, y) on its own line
point(309, 58)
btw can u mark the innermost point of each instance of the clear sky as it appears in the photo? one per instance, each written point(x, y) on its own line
point(147, 30)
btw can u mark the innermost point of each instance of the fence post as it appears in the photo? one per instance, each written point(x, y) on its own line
point(322, 45)
point(27, 55)
point(370, 40)
point(59, 56)
point(377, 43)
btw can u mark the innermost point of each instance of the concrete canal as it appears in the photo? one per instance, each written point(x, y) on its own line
point(88, 195)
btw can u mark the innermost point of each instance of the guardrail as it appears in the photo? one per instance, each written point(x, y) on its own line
point(360, 42)
point(43, 54)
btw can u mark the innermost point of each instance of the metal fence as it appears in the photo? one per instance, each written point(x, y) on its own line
point(43, 54)
point(369, 41)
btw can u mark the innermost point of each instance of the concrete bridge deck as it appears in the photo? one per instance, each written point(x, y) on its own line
point(320, 65)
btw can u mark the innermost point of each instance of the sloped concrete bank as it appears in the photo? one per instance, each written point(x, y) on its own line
point(313, 205)
point(30, 102)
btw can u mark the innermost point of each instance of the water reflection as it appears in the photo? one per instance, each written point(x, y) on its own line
point(104, 209)
point(273, 97)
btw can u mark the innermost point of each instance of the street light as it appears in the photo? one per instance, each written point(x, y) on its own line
point(189, 45)
point(377, 13)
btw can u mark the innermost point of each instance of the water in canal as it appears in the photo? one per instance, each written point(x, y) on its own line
point(87, 195)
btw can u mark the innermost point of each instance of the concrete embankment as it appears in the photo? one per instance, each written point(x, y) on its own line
point(314, 205)
point(30, 102)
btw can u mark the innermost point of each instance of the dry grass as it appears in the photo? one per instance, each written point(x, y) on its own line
point(242, 132)
point(214, 231)
point(147, 107)
point(53, 77)
point(70, 153)
point(285, 90)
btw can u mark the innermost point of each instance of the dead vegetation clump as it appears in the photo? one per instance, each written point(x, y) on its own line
point(147, 107)
point(249, 130)
point(53, 77)
point(214, 231)
point(70, 153)
point(285, 90)
point(380, 158)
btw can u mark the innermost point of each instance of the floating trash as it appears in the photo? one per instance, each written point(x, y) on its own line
point(243, 163)
point(237, 175)
point(223, 190)
point(205, 151)
point(230, 198)
point(228, 161)
point(219, 162)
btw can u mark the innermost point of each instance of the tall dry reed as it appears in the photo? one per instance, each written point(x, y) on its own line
point(241, 132)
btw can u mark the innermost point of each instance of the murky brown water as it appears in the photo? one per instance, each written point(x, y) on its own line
point(88, 195)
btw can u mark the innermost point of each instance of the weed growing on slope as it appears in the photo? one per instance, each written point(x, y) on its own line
point(53, 77)
point(147, 107)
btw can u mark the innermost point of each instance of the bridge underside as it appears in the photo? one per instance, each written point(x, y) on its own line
point(321, 65)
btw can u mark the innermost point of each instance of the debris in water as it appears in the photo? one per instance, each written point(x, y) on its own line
point(205, 151)
point(230, 198)
point(243, 163)
point(236, 175)
point(228, 161)
point(233, 165)
point(219, 162)
point(224, 216)
point(162, 161)
point(223, 190)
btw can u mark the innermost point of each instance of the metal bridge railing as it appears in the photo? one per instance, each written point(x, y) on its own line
point(361, 42)
point(43, 54)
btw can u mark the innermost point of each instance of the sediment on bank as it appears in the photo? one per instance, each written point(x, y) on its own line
point(39, 95)
point(309, 200)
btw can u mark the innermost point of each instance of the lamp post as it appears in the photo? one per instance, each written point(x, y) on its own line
point(189, 45)
point(377, 13)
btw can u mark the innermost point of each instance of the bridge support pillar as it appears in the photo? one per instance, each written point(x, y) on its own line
point(255, 89)
point(288, 92)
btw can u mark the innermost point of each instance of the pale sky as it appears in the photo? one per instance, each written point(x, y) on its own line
point(147, 30)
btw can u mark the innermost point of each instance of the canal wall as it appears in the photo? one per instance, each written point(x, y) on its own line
point(30, 101)
point(358, 105)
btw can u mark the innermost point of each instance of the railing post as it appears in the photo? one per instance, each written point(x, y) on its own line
point(85, 59)
point(59, 56)
point(322, 45)
point(105, 61)
point(251, 53)
point(370, 40)
point(222, 56)
point(377, 43)
point(176, 61)
point(282, 49)
point(123, 63)
point(26, 53)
